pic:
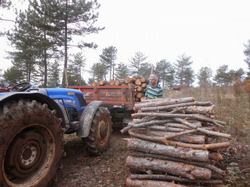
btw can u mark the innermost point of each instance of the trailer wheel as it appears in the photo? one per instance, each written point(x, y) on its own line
point(31, 144)
point(100, 132)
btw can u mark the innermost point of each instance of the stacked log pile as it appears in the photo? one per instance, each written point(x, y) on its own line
point(139, 85)
point(171, 142)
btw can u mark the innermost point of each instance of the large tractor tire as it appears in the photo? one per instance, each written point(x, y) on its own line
point(100, 132)
point(31, 144)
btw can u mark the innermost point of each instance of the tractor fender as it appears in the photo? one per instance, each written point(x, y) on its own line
point(87, 118)
point(52, 105)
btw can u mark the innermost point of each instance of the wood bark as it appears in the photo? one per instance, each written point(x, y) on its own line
point(165, 140)
point(214, 133)
point(150, 183)
point(189, 116)
point(195, 103)
point(200, 110)
point(93, 83)
point(171, 178)
point(143, 124)
point(164, 102)
point(178, 152)
point(180, 136)
point(169, 167)
point(139, 88)
point(163, 157)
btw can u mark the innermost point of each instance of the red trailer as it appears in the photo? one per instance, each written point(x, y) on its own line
point(118, 99)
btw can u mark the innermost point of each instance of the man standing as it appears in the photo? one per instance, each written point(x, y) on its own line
point(153, 90)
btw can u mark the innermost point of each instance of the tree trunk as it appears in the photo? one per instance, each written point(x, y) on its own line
point(163, 102)
point(150, 183)
point(178, 152)
point(189, 116)
point(163, 157)
point(172, 178)
point(144, 109)
point(203, 130)
point(180, 136)
point(169, 167)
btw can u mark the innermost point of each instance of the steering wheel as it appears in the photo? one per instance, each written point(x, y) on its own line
point(21, 87)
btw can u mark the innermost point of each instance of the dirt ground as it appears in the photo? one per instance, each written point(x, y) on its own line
point(81, 169)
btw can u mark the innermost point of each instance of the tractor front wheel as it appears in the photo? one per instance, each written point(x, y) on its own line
point(100, 132)
point(31, 144)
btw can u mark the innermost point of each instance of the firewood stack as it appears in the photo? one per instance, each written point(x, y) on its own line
point(139, 85)
point(172, 142)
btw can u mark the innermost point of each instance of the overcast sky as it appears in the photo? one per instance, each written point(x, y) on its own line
point(211, 32)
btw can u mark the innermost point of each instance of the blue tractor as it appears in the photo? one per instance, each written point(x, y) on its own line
point(32, 124)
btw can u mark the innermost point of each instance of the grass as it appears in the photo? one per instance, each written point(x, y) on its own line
point(232, 105)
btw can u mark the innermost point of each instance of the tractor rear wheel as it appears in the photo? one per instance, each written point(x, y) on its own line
point(31, 144)
point(100, 132)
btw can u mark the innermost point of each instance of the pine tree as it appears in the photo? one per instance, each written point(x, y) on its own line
point(204, 76)
point(13, 76)
point(184, 73)
point(79, 63)
point(121, 71)
point(222, 76)
point(136, 63)
point(54, 74)
point(108, 58)
point(165, 72)
point(247, 54)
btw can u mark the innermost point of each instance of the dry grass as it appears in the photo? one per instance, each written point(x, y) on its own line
point(232, 106)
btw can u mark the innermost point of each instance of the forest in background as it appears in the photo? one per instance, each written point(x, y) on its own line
point(42, 36)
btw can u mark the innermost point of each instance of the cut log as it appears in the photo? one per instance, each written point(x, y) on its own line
point(134, 78)
point(200, 110)
point(112, 83)
point(127, 80)
point(214, 133)
point(168, 129)
point(144, 80)
point(137, 99)
point(178, 152)
point(138, 82)
point(123, 84)
point(163, 157)
point(140, 94)
point(189, 116)
point(119, 82)
point(164, 102)
point(130, 84)
point(144, 109)
point(144, 85)
point(139, 88)
point(93, 83)
point(171, 178)
point(103, 82)
point(143, 120)
point(170, 167)
point(143, 98)
point(143, 124)
point(150, 183)
point(180, 136)
point(165, 140)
